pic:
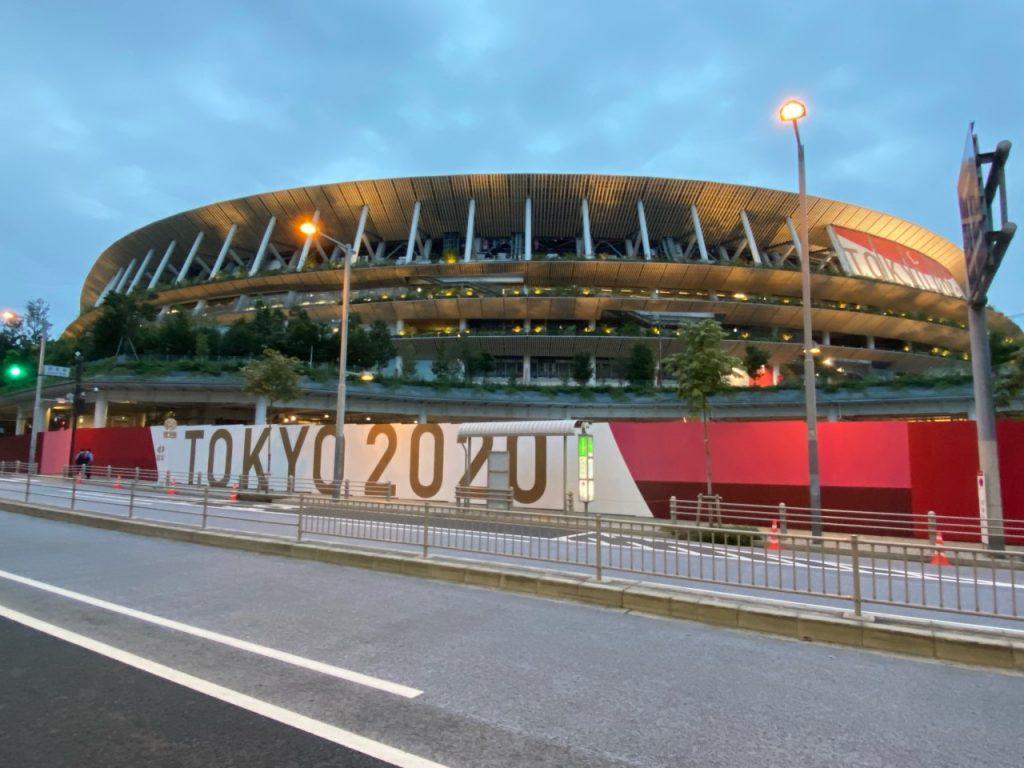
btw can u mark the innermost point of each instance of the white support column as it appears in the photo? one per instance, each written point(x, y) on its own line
point(124, 278)
point(755, 253)
point(258, 261)
point(644, 237)
point(870, 341)
point(462, 324)
point(414, 228)
point(261, 410)
point(110, 286)
point(526, 369)
point(776, 372)
point(826, 338)
point(188, 259)
point(142, 269)
point(223, 252)
point(360, 230)
point(528, 230)
point(796, 239)
point(99, 413)
point(844, 261)
point(698, 233)
point(468, 253)
point(19, 420)
point(197, 310)
point(588, 243)
point(162, 266)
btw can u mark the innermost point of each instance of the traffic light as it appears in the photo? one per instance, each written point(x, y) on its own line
point(15, 371)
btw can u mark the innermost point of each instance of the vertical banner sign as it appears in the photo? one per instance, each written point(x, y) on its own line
point(973, 220)
point(585, 445)
point(983, 509)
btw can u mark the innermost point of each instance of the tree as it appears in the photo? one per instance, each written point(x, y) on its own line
point(381, 344)
point(582, 370)
point(408, 355)
point(121, 325)
point(307, 339)
point(274, 376)
point(700, 371)
point(175, 334)
point(239, 340)
point(1007, 359)
point(638, 368)
point(754, 360)
point(444, 367)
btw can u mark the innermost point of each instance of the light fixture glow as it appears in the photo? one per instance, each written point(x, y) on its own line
point(308, 228)
point(792, 110)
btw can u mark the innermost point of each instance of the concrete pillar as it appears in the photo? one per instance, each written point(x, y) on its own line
point(19, 420)
point(526, 369)
point(414, 227)
point(125, 276)
point(99, 412)
point(162, 266)
point(826, 339)
point(223, 252)
point(462, 324)
point(257, 262)
point(593, 371)
point(870, 341)
point(588, 243)
point(776, 371)
point(644, 237)
point(142, 269)
point(528, 230)
point(189, 259)
point(468, 253)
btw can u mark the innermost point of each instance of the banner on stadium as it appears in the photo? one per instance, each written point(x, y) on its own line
point(864, 255)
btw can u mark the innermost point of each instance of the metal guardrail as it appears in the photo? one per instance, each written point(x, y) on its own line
point(851, 569)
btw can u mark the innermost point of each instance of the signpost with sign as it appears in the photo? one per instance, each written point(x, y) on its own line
point(984, 247)
point(57, 370)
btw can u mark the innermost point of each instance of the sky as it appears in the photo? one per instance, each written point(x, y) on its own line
point(116, 114)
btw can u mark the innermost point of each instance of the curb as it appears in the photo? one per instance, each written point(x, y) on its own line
point(1001, 649)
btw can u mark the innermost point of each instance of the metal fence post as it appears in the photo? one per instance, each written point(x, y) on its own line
point(345, 489)
point(131, 499)
point(28, 485)
point(673, 509)
point(298, 528)
point(426, 526)
point(74, 488)
point(932, 527)
point(855, 554)
point(136, 474)
point(597, 544)
point(783, 523)
point(206, 504)
point(3, 467)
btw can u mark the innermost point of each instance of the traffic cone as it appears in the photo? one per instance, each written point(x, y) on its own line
point(234, 492)
point(939, 556)
point(171, 490)
point(79, 479)
point(117, 483)
point(773, 536)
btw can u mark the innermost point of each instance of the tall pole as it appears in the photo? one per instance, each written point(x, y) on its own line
point(37, 408)
point(76, 405)
point(985, 418)
point(339, 415)
point(810, 390)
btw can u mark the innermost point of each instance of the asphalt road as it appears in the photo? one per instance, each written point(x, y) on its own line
point(989, 596)
point(452, 674)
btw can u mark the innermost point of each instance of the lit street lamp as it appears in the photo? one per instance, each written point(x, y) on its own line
point(310, 229)
point(792, 111)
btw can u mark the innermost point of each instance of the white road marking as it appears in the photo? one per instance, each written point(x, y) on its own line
point(244, 645)
point(332, 733)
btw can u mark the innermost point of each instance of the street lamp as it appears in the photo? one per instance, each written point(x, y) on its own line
point(792, 111)
point(310, 228)
point(10, 317)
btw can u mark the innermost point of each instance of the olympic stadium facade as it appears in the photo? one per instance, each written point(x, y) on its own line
point(537, 268)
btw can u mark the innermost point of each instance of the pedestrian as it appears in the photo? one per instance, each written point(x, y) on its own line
point(88, 463)
point(80, 461)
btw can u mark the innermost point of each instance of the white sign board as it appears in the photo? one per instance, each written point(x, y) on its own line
point(56, 370)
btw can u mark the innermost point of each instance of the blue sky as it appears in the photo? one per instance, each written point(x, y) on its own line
point(119, 113)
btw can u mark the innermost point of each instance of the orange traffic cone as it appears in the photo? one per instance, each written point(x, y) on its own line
point(234, 492)
point(773, 536)
point(939, 556)
point(79, 479)
point(171, 490)
point(117, 483)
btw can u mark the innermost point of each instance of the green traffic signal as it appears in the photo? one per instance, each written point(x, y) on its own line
point(15, 372)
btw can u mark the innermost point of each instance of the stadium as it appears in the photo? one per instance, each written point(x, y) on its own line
point(537, 268)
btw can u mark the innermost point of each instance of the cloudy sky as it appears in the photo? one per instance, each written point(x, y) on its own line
point(115, 114)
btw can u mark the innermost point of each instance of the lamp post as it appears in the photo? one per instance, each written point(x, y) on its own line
point(37, 408)
point(792, 111)
point(310, 229)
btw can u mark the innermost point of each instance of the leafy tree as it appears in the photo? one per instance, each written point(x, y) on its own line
point(381, 343)
point(307, 339)
point(582, 370)
point(208, 342)
point(274, 376)
point(175, 334)
point(408, 355)
point(269, 326)
point(360, 350)
point(444, 367)
point(754, 360)
point(37, 321)
point(120, 325)
point(700, 371)
point(240, 339)
point(1007, 359)
point(638, 368)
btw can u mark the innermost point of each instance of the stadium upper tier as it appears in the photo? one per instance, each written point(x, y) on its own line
point(550, 265)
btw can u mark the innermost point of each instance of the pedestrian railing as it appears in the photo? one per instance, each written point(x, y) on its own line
point(845, 569)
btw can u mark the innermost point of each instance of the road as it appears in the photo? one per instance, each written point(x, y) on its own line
point(989, 596)
point(456, 675)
